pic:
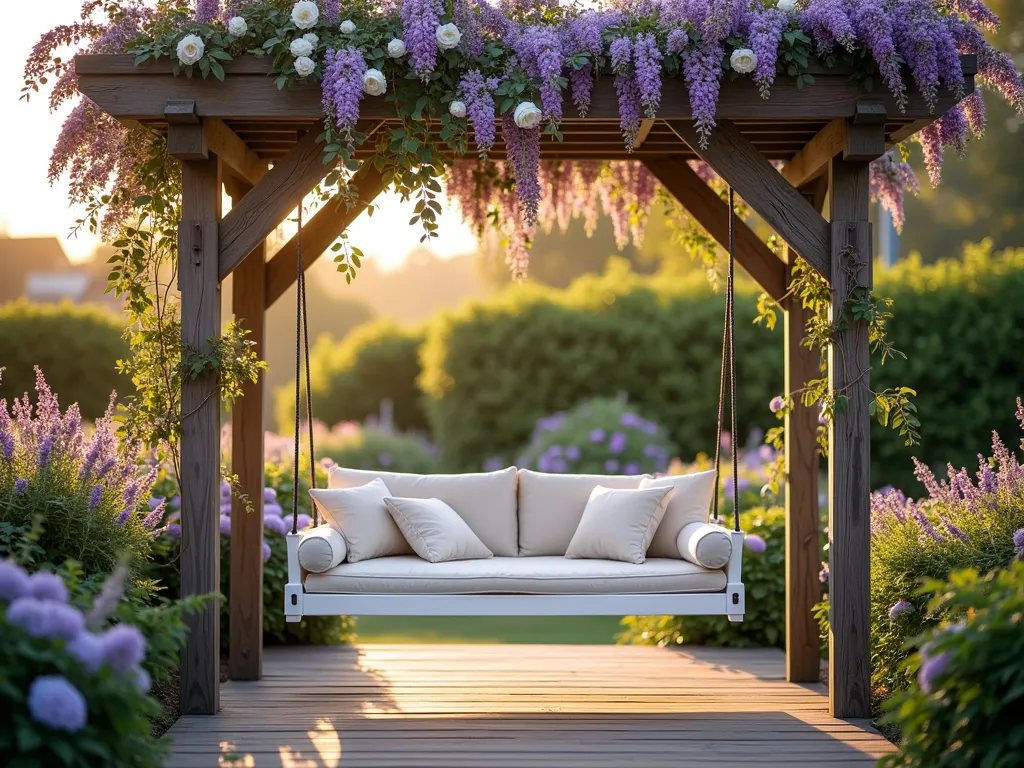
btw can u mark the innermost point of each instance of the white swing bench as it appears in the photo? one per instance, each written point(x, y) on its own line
point(527, 520)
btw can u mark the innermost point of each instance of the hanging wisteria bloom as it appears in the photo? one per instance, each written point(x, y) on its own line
point(765, 36)
point(891, 177)
point(343, 88)
point(420, 20)
point(477, 95)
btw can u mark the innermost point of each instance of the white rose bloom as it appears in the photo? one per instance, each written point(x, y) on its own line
point(190, 49)
point(305, 14)
point(347, 27)
point(743, 60)
point(374, 82)
point(304, 66)
point(237, 26)
point(310, 38)
point(448, 36)
point(527, 115)
point(787, 5)
point(457, 108)
point(300, 47)
point(396, 48)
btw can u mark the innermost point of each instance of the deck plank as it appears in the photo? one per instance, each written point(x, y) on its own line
point(493, 706)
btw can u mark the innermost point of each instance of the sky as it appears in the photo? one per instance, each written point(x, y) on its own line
point(30, 206)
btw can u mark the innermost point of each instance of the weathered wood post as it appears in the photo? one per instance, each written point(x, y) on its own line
point(849, 460)
point(200, 410)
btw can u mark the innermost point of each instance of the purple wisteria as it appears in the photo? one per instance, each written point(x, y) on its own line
point(540, 53)
point(891, 177)
point(765, 36)
point(523, 148)
point(647, 60)
point(343, 87)
point(207, 11)
point(828, 23)
point(626, 91)
point(420, 20)
point(478, 94)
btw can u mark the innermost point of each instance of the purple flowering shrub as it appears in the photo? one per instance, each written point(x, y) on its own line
point(68, 493)
point(603, 436)
point(963, 708)
point(356, 447)
point(74, 691)
point(276, 506)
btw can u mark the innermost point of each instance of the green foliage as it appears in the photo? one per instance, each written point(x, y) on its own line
point(964, 711)
point(375, 361)
point(961, 325)
point(370, 448)
point(596, 437)
point(76, 347)
point(764, 575)
point(493, 368)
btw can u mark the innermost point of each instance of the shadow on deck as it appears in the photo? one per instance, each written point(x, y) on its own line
point(496, 706)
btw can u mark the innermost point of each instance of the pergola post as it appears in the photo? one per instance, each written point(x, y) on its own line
point(245, 650)
point(849, 447)
point(802, 550)
point(200, 412)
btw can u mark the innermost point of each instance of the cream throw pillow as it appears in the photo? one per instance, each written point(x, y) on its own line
point(618, 524)
point(690, 503)
point(435, 531)
point(361, 516)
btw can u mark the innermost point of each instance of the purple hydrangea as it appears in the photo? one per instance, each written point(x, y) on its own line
point(269, 496)
point(384, 459)
point(572, 452)
point(143, 682)
point(899, 608)
point(48, 586)
point(44, 619)
point(267, 551)
point(632, 468)
point(14, 582)
point(304, 521)
point(88, 649)
point(596, 435)
point(932, 667)
point(124, 648)
point(493, 464)
point(611, 465)
point(57, 704)
point(174, 530)
point(225, 525)
point(617, 443)
point(276, 524)
point(754, 543)
point(273, 509)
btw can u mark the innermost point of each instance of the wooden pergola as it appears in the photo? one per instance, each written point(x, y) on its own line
point(259, 144)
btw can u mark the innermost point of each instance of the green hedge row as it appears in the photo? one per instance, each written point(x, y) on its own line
point(77, 348)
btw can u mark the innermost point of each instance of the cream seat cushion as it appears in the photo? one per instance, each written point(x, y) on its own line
point(435, 531)
point(362, 517)
point(618, 524)
point(485, 500)
point(554, 575)
point(321, 548)
point(691, 503)
point(551, 507)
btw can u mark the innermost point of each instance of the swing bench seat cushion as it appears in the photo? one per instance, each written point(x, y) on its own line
point(321, 549)
point(542, 575)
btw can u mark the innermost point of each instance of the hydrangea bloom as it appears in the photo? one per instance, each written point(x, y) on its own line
point(932, 668)
point(14, 582)
point(124, 648)
point(57, 704)
point(89, 650)
point(276, 524)
point(48, 586)
point(754, 543)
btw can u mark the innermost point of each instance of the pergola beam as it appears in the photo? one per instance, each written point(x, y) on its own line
point(704, 204)
point(193, 138)
point(320, 232)
point(862, 138)
point(755, 179)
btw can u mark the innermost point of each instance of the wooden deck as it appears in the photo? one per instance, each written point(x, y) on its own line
point(509, 706)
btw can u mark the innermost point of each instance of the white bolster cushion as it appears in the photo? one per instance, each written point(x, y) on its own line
point(321, 549)
point(709, 546)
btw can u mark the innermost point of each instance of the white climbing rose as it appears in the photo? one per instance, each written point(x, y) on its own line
point(190, 49)
point(448, 36)
point(237, 26)
point(743, 60)
point(304, 66)
point(396, 48)
point(457, 108)
point(310, 38)
point(300, 47)
point(527, 115)
point(305, 14)
point(374, 82)
point(787, 5)
point(347, 27)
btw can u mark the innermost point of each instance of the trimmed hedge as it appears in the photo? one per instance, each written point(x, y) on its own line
point(374, 361)
point(493, 368)
point(77, 348)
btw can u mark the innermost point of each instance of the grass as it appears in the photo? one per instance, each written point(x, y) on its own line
point(574, 630)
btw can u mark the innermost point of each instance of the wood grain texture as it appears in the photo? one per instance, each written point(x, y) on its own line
point(187, 141)
point(704, 204)
point(200, 439)
point(495, 706)
point(319, 233)
point(803, 552)
point(755, 179)
point(261, 211)
point(813, 159)
point(850, 451)
point(245, 650)
point(125, 91)
point(234, 155)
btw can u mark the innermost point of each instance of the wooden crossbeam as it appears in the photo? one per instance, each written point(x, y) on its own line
point(755, 179)
point(320, 232)
point(645, 129)
point(860, 138)
point(704, 204)
point(261, 211)
point(233, 152)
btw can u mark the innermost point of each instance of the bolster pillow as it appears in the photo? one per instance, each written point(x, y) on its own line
point(321, 548)
point(709, 546)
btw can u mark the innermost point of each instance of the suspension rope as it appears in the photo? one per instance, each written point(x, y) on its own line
point(728, 369)
point(301, 353)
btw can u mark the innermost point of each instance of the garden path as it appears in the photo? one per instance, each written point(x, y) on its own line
point(517, 706)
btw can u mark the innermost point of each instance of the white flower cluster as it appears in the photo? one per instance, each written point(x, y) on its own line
point(743, 60)
point(305, 14)
point(447, 36)
point(374, 82)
